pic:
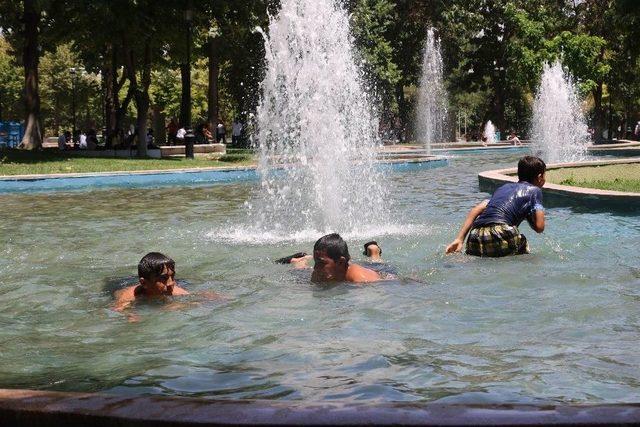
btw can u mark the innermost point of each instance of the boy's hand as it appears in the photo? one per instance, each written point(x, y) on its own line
point(455, 246)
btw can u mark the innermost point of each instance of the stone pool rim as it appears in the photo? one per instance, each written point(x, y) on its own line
point(30, 177)
point(36, 408)
point(62, 182)
point(493, 178)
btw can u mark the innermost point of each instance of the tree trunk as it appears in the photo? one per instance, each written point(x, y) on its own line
point(185, 100)
point(212, 92)
point(143, 100)
point(109, 86)
point(142, 104)
point(159, 126)
point(402, 107)
point(32, 139)
point(598, 113)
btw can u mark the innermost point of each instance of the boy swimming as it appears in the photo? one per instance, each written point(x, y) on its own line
point(331, 256)
point(156, 275)
point(493, 225)
point(373, 251)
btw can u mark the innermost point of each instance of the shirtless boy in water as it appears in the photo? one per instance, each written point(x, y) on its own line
point(156, 274)
point(332, 263)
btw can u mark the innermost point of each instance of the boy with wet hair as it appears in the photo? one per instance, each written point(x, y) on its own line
point(331, 256)
point(373, 250)
point(156, 275)
point(493, 225)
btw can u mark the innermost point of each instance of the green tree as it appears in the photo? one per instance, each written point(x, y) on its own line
point(372, 22)
point(10, 83)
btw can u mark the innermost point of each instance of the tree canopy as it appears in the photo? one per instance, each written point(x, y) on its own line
point(131, 56)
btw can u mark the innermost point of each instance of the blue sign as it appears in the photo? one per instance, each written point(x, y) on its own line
point(11, 134)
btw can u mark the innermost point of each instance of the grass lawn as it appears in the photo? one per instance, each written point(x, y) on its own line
point(623, 177)
point(18, 162)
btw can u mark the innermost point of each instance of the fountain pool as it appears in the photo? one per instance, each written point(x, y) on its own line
point(559, 325)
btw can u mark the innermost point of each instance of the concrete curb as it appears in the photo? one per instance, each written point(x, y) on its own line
point(44, 408)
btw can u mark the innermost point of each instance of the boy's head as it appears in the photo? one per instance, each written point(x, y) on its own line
point(531, 169)
point(331, 256)
point(156, 273)
point(372, 249)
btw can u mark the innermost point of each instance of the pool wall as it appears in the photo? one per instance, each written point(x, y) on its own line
point(41, 408)
point(156, 178)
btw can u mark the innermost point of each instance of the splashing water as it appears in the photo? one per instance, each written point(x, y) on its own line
point(489, 133)
point(559, 129)
point(316, 131)
point(432, 94)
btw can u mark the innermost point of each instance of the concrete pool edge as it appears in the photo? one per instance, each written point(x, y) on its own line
point(490, 180)
point(36, 408)
point(29, 177)
point(171, 177)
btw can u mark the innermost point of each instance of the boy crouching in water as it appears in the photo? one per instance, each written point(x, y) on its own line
point(493, 225)
point(156, 274)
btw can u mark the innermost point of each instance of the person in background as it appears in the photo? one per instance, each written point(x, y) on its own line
point(514, 138)
point(221, 133)
point(172, 130)
point(62, 140)
point(92, 139)
point(236, 132)
point(206, 131)
point(83, 141)
point(150, 140)
point(180, 134)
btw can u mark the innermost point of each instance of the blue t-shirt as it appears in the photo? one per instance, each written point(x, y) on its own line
point(510, 204)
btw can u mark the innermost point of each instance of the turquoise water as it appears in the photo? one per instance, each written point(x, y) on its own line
point(559, 325)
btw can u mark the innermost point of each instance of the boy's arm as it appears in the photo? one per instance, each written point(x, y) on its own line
point(537, 221)
point(458, 242)
point(124, 298)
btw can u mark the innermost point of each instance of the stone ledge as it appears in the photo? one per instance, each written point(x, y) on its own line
point(198, 149)
point(561, 194)
point(44, 408)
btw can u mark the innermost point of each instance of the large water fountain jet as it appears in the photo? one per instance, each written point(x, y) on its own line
point(432, 94)
point(489, 133)
point(316, 130)
point(559, 129)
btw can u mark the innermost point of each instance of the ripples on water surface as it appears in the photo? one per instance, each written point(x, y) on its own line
point(559, 325)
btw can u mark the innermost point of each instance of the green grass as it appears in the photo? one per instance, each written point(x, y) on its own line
point(621, 177)
point(17, 162)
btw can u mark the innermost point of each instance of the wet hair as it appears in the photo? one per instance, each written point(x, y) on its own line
point(366, 245)
point(529, 167)
point(152, 264)
point(333, 245)
point(287, 259)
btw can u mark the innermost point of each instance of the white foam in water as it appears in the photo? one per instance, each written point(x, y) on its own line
point(559, 129)
point(316, 131)
point(489, 133)
point(253, 236)
point(432, 95)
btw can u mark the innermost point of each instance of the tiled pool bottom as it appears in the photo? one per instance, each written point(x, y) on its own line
point(557, 327)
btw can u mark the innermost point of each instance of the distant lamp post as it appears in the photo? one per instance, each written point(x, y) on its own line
point(74, 77)
point(189, 136)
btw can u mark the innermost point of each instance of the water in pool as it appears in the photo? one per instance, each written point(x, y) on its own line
point(559, 325)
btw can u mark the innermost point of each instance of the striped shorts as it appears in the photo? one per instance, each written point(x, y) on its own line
point(496, 240)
